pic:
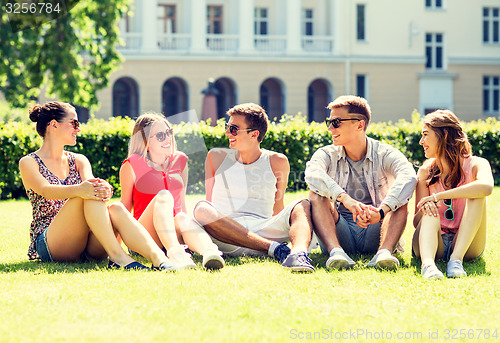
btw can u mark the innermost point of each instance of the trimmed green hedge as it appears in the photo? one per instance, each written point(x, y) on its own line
point(105, 143)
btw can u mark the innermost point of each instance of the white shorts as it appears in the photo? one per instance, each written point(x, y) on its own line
point(276, 228)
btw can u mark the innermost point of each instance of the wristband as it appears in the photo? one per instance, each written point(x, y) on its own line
point(382, 214)
point(435, 198)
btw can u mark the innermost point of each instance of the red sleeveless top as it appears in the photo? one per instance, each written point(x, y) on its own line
point(149, 181)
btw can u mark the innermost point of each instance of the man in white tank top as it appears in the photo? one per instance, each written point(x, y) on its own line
point(245, 185)
point(359, 190)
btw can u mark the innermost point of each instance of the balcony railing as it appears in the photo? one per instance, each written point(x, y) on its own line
point(132, 41)
point(317, 43)
point(229, 43)
point(174, 42)
point(222, 43)
point(270, 44)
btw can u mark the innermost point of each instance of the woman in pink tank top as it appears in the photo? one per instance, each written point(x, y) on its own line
point(153, 180)
point(450, 204)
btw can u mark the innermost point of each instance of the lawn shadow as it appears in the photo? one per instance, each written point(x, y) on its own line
point(38, 267)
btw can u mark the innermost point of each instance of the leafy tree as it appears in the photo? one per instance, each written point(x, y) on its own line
point(71, 55)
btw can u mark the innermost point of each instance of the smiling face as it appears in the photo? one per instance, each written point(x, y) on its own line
point(429, 141)
point(160, 142)
point(242, 139)
point(346, 133)
point(67, 128)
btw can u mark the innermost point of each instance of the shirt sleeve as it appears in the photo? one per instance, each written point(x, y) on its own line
point(317, 178)
point(401, 190)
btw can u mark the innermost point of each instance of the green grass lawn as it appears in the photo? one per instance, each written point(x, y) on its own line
point(250, 300)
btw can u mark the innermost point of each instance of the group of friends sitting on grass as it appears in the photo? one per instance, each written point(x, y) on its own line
point(359, 189)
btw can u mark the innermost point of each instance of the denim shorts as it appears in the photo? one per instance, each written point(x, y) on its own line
point(448, 244)
point(42, 247)
point(354, 239)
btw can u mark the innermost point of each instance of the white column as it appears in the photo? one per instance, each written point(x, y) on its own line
point(336, 26)
point(246, 22)
point(293, 26)
point(149, 26)
point(198, 26)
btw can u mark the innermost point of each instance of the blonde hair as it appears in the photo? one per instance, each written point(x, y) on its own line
point(141, 134)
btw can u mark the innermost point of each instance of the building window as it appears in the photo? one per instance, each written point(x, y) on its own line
point(126, 98)
point(174, 97)
point(272, 98)
point(491, 95)
point(214, 19)
point(491, 26)
point(261, 21)
point(361, 22)
point(307, 22)
point(166, 18)
point(434, 4)
point(361, 86)
point(434, 51)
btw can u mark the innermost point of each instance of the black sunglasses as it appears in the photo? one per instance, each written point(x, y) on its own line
point(336, 122)
point(74, 122)
point(162, 135)
point(233, 129)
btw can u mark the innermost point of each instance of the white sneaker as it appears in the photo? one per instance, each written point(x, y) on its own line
point(455, 269)
point(383, 259)
point(339, 260)
point(431, 272)
point(180, 258)
point(212, 259)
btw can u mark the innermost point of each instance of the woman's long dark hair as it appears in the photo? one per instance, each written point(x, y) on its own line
point(453, 146)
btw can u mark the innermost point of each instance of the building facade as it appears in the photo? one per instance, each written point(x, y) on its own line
point(295, 56)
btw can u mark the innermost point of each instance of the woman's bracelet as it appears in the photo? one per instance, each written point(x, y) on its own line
point(435, 197)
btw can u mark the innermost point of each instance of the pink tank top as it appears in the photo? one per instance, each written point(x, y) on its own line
point(458, 205)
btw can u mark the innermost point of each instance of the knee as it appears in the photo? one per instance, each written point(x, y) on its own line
point(182, 218)
point(164, 198)
point(117, 209)
point(204, 212)
point(304, 206)
point(317, 200)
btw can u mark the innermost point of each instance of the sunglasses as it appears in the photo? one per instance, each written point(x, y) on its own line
point(74, 122)
point(233, 129)
point(162, 135)
point(448, 213)
point(336, 122)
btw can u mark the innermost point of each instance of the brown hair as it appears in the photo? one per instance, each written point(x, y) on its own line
point(43, 115)
point(255, 117)
point(452, 147)
point(354, 105)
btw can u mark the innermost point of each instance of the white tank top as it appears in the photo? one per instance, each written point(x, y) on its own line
point(245, 189)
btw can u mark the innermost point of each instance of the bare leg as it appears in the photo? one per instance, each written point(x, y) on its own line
point(227, 230)
point(193, 235)
point(67, 241)
point(416, 245)
point(324, 217)
point(134, 235)
point(158, 220)
point(392, 228)
point(471, 236)
point(301, 226)
point(429, 239)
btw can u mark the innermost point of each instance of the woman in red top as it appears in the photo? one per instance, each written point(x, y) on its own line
point(450, 203)
point(153, 180)
point(71, 221)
